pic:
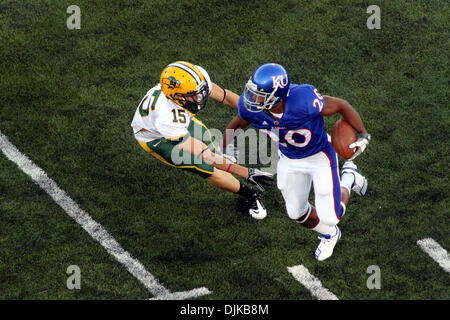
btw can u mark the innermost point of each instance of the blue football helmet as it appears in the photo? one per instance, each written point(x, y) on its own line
point(268, 86)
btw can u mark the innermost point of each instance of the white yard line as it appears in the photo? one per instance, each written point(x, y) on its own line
point(183, 295)
point(302, 275)
point(94, 229)
point(436, 252)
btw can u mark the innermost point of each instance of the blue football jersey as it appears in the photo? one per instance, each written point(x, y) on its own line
point(300, 132)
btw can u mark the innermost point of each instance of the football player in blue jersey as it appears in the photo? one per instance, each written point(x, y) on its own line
point(292, 114)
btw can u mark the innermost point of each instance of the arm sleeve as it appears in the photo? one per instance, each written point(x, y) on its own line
point(314, 100)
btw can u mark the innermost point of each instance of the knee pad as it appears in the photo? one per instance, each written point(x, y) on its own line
point(303, 215)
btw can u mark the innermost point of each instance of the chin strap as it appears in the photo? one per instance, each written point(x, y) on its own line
point(271, 97)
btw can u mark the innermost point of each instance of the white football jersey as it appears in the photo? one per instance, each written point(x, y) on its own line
point(160, 117)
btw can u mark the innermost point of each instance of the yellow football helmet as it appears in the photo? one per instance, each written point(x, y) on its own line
point(183, 83)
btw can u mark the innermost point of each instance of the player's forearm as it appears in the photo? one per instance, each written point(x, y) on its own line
point(352, 117)
point(224, 96)
point(224, 164)
point(335, 105)
point(231, 129)
point(199, 150)
point(231, 99)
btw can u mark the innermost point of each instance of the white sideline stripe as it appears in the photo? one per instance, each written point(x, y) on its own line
point(95, 230)
point(436, 252)
point(183, 295)
point(302, 275)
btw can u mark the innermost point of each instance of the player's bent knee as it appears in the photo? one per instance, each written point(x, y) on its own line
point(295, 214)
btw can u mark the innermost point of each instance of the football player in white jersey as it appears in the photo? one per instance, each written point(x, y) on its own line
point(165, 125)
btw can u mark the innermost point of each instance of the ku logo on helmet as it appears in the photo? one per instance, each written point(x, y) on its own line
point(280, 81)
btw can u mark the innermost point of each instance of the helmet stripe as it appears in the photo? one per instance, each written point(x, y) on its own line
point(188, 70)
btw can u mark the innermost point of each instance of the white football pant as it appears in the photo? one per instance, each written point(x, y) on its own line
point(294, 177)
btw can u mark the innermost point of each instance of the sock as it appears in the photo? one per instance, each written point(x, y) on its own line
point(305, 217)
point(323, 228)
point(245, 191)
point(347, 181)
point(344, 207)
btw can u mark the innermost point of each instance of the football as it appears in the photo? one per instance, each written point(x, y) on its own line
point(342, 136)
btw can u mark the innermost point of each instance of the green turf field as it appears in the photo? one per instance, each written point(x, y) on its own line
point(67, 98)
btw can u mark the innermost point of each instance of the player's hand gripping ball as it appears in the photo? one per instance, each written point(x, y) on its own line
point(342, 136)
point(345, 141)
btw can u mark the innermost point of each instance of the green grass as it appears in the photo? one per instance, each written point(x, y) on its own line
point(68, 97)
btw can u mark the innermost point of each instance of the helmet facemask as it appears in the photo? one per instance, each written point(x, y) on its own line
point(256, 100)
point(193, 101)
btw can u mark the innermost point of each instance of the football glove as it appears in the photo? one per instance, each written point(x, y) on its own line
point(259, 178)
point(231, 153)
point(360, 144)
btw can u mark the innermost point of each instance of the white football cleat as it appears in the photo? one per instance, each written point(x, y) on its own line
point(360, 184)
point(257, 209)
point(326, 245)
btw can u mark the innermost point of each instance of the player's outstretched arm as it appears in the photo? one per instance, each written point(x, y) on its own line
point(224, 96)
point(201, 151)
point(231, 99)
point(336, 105)
point(232, 129)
